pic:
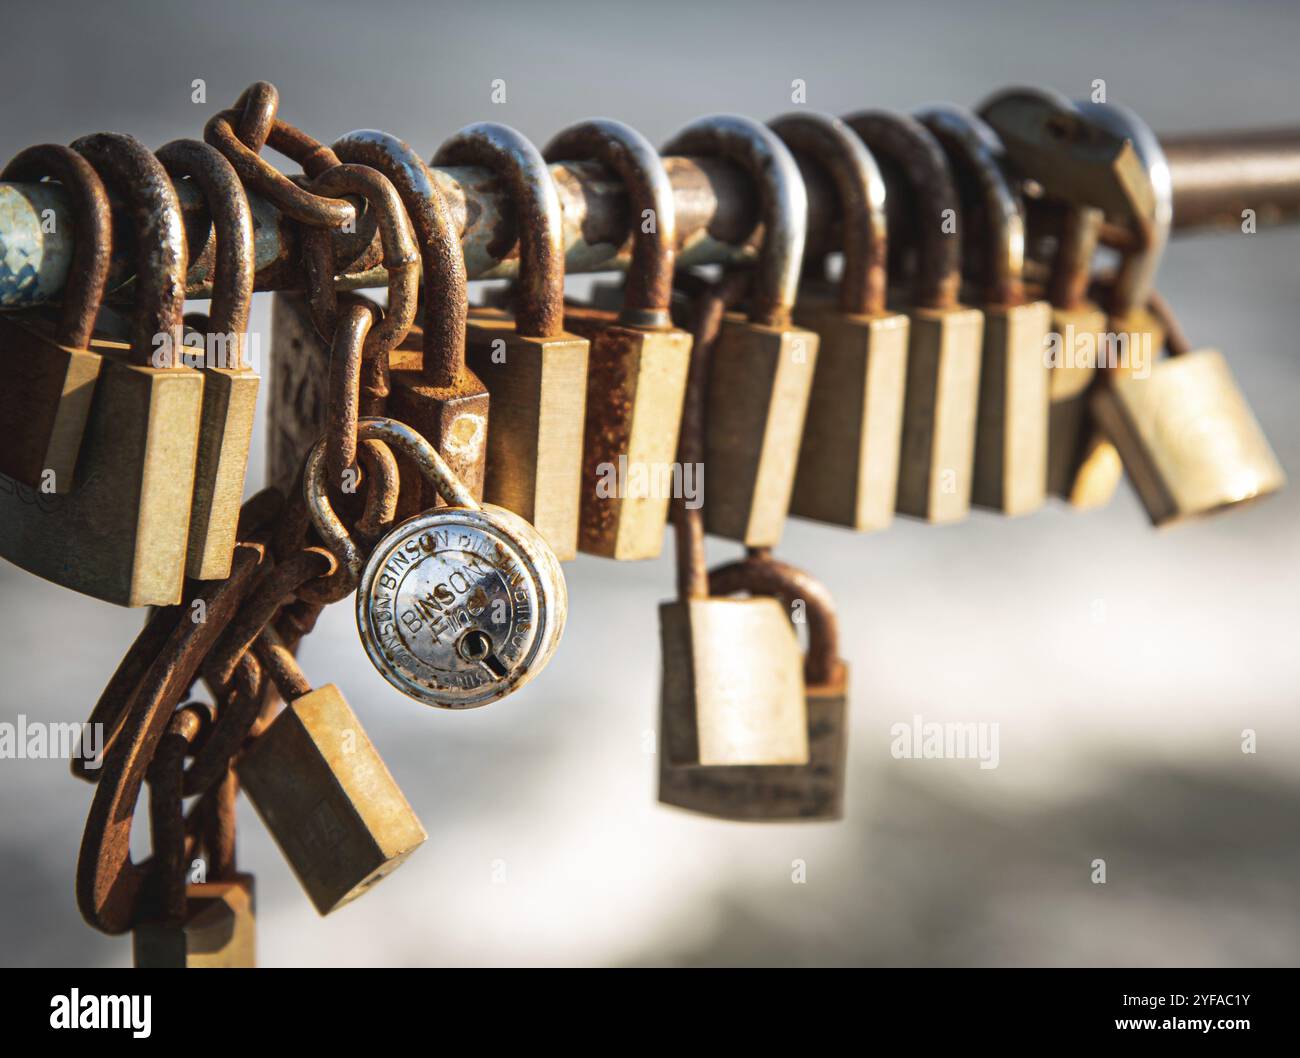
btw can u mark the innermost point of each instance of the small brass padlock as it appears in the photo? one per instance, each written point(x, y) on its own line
point(945, 342)
point(1011, 432)
point(761, 369)
point(535, 371)
point(774, 792)
point(50, 378)
point(460, 605)
point(638, 361)
point(848, 461)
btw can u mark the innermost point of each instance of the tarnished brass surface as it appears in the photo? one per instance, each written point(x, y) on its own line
point(1187, 437)
point(225, 435)
point(219, 931)
point(299, 389)
point(1067, 387)
point(328, 799)
point(732, 684)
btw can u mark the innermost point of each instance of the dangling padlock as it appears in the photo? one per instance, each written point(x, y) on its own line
point(121, 533)
point(780, 791)
point(761, 369)
point(1011, 431)
point(433, 391)
point(1188, 439)
point(848, 461)
point(535, 371)
point(323, 791)
point(944, 347)
point(229, 385)
point(50, 378)
point(638, 361)
point(460, 605)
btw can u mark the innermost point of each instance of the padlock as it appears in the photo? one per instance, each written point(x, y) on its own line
point(1011, 430)
point(638, 361)
point(1186, 435)
point(847, 472)
point(433, 391)
point(229, 385)
point(945, 342)
point(298, 389)
point(761, 368)
point(457, 607)
point(121, 534)
point(535, 371)
point(774, 792)
point(50, 378)
point(324, 792)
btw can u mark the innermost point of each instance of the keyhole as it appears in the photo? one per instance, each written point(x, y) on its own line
point(476, 646)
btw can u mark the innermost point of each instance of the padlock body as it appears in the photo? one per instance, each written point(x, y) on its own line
point(733, 688)
point(779, 792)
point(219, 931)
point(299, 390)
point(538, 389)
point(1068, 380)
point(1187, 437)
point(1012, 429)
point(44, 403)
point(121, 534)
point(636, 385)
point(939, 414)
point(328, 799)
point(847, 473)
point(760, 379)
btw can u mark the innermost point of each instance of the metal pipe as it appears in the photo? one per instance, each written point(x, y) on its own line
point(1215, 176)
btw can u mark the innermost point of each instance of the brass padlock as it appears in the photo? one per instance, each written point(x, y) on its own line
point(229, 384)
point(774, 792)
point(324, 792)
point(50, 378)
point(848, 461)
point(1011, 431)
point(456, 607)
point(638, 361)
point(1188, 439)
point(761, 369)
point(944, 349)
point(122, 533)
point(433, 391)
point(535, 371)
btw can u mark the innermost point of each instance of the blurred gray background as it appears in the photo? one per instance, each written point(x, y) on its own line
point(1121, 663)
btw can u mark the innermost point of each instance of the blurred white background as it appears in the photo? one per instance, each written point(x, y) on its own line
point(1122, 664)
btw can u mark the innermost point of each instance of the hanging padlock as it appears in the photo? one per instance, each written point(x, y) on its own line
point(761, 368)
point(848, 461)
point(945, 339)
point(50, 377)
point(457, 607)
point(229, 385)
point(323, 791)
point(1011, 430)
point(775, 792)
point(433, 391)
point(121, 534)
point(638, 361)
point(1187, 437)
point(534, 370)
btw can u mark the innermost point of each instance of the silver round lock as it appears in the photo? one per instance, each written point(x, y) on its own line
point(459, 605)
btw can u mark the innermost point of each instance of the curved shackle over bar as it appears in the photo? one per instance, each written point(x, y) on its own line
point(829, 143)
point(649, 287)
point(782, 197)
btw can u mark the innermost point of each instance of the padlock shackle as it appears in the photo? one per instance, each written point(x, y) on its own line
point(232, 232)
point(760, 574)
point(860, 190)
point(539, 291)
point(783, 204)
point(167, 810)
point(138, 177)
point(92, 251)
point(902, 144)
point(648, 289)
point(446, 298)
point(1071, 268)
point(978, 159)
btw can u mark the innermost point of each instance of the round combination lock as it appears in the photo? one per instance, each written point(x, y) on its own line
point(458, 606)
